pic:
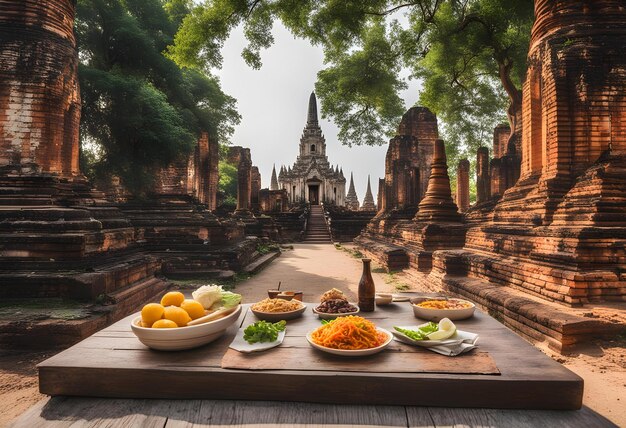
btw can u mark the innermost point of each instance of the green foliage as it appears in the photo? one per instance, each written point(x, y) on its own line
point(141, 111)
point(469, 54)
point(227, 186)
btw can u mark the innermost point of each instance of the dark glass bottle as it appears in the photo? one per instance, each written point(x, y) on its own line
point(367, 290)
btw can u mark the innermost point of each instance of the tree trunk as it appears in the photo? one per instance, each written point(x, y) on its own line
point(514, 112)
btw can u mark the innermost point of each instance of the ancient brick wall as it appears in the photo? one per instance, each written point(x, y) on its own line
point(483, 180)
point(213, 173)
point(202, 169)
point(501, 135)
point(255, 187)
point(408, 161)
point(241, 157)
point(39, 94)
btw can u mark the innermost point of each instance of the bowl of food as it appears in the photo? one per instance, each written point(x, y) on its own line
point(177, 323)
point(334, 308)
point(278, 309)
point(350, 336)
point(333, 304)
point(383, 299)
point(435, 309)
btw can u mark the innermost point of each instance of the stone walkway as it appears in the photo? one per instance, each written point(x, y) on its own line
point(313, 269)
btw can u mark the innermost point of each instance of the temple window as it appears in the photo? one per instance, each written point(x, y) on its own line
point(312, 147)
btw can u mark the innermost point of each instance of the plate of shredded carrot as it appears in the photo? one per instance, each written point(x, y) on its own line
point(349, 336)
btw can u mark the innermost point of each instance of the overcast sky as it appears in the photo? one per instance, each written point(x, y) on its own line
point(273, 104)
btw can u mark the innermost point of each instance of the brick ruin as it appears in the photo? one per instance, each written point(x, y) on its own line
point(241, 157)
point(407, 164)
point(407, 170)
point(559, 233)
point(462, 185)
point(59, 237)
point(544, 247)
point(255, 188)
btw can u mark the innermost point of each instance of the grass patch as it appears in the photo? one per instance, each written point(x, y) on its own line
point(194, 282)
point(392, 279)
point(267, 248)
point(43, 308)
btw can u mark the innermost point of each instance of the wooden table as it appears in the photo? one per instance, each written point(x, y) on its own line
point(113, 363)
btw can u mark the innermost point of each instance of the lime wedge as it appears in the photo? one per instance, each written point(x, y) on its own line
point(446, 330)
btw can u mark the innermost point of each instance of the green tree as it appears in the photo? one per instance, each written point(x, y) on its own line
point(141, 111)
point(470, 55)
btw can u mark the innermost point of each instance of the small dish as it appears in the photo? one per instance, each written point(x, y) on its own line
point(400, 298)
point(289, 295)
point(240, 344)
point(273, 293)
point(352, 352)
point(383, 299)
point(432, 314)
point(180, 338)
point(332, 316)
point(278, 316)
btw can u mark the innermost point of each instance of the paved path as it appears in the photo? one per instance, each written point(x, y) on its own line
point(313, 269)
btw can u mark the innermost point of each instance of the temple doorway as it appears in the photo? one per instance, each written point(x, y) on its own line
point(314, 197)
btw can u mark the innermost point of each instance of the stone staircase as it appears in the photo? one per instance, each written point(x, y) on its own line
point(316, 230)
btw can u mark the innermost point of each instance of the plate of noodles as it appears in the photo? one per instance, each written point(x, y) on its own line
point(435, 309)
point(349, 336)
point(278, 309)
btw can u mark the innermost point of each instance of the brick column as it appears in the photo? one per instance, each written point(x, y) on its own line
point(483, 182)
point(39, 94)
point(462, 185)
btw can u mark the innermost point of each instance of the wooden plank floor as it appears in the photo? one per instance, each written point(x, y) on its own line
point(78, 412)
point(113, 363)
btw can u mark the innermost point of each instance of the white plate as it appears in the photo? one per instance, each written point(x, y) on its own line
point(176, 339)
point(329, 316)
point(457, 338)
point(240, 344)
point(352, 353)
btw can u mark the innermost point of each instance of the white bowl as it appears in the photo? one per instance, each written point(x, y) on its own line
point(438, 314)
point(351, 352)
point(332, 316)
point(383, 299)
point(176, 339)
point(279, 316)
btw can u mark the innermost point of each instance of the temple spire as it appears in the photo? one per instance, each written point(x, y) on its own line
point(312, 115)
point(352, 201)
point(368, 200)
point(274, 182)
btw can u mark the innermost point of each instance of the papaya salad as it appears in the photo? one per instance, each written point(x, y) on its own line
point(349, 333)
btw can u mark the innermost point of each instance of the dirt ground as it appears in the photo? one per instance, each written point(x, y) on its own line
point(601, 364)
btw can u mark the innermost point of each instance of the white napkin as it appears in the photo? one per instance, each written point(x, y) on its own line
point(460, 342)
point(240, 344)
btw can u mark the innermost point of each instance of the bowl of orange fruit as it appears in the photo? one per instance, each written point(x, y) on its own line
point(177, 323)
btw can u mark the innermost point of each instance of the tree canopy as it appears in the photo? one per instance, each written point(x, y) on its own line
point(470, 55)
point(141, 110)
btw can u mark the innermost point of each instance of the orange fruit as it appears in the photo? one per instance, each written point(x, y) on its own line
point(176, 314)
point(193, 308)
point(173, 298)
point(164, 324)
point(151, 313)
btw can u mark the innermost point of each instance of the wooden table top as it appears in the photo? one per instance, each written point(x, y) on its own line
point(113, 363)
